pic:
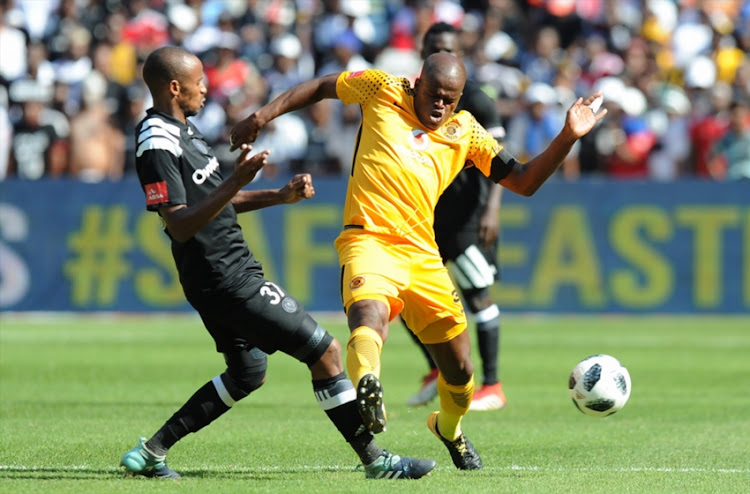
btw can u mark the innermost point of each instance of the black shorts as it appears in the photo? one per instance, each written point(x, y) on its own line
point(266, 318)
point(473, 267)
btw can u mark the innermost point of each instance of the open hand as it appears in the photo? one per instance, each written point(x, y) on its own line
point(247, 166)
point(581, 118)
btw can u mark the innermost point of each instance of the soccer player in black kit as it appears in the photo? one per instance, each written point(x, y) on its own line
point(466, 231)
point(247, 315)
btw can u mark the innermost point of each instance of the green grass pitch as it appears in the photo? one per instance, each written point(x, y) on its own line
point(77, 391)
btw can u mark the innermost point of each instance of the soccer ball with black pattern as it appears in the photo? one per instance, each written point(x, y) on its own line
point(599, 385)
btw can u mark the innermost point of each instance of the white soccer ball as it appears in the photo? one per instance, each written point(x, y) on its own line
point(599, 385)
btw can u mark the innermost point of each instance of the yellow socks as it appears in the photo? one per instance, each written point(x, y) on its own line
point(363, 353)
point(454, 404)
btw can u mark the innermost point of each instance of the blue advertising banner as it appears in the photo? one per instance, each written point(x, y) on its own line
point(585, 247)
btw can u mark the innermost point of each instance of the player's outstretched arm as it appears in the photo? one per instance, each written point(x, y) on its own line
point(299, 187)
point(301, 96)
point(525, 179)
point(184, 222)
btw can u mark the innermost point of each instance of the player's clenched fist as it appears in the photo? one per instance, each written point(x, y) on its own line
point(299, 187)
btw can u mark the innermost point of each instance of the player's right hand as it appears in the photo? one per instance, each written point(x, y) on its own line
point(245, 132)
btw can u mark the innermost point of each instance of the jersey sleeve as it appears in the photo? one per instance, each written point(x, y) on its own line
point(361, 86)
point(482, 148)
point(159, 174)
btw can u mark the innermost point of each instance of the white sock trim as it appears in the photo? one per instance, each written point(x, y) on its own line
point(222, 390)
point(487, 314)
point(328, 402)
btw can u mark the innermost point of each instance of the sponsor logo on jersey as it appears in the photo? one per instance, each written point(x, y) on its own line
point(200, 175)
point(451, 130)
point(355, 74)
point(419, 139)
point(156, 193)
point(412, 154)
point(357, 282)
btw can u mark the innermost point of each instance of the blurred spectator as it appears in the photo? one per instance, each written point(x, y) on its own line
point(631, 140)
point(698, 49)
point(146, 28)
point(670, 122)
point(252, 33)
point(124, 56)
point(320, 157)
point(132, 110)
point(39, 68)
point(345, 55)
point(96, 145)
point(710, 122)
point(730, 157)
point(339, 17)
point(61, 23)
point(227, 72)
point(13, 43)
point(533, 127)
point(284, 73)
point(541, 62)
point(40, 149)
point(183, 21)
point(6, 133)
point(73, 66)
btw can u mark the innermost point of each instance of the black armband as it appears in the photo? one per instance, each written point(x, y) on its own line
point(501, 166)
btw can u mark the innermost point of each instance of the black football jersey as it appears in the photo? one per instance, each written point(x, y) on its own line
point(176, 166)
point(463, 202)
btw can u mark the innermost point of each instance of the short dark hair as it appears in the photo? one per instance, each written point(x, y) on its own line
point(440, 28)
point(164, 65)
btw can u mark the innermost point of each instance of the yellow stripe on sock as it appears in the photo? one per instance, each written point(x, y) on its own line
point(454, 404)
point(363, 353)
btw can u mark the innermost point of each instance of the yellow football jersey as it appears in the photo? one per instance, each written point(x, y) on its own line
point(400, 168)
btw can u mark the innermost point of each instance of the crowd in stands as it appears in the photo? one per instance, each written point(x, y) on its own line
point(675, 76)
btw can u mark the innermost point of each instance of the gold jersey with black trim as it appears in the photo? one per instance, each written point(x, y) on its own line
point(401, 168)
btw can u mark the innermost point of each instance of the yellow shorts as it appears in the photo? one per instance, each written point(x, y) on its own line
point(410, 281)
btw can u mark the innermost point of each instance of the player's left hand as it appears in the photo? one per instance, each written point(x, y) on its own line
point(299, 187)
point(581, 118)
point(247, 165)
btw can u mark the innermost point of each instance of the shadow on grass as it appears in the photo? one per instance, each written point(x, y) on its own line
point(83, 473)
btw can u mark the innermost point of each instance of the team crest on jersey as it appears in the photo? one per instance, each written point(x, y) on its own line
point(200, 145)
point(289, 305)
point(451, 130)
point(419, 140)
point(357, 282)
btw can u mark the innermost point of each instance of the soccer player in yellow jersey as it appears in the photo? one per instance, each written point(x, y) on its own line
point(410, 147)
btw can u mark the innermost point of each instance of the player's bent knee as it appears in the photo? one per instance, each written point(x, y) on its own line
point(316, 344)
point(478, 300)
point(330, 363)
point(237, 386)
